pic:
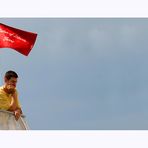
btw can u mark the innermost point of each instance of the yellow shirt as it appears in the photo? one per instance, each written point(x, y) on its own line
point(6, 99)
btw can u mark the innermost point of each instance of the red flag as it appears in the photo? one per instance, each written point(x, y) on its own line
point(19, 40)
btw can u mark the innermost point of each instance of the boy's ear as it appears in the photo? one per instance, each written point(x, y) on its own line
point(5, 79)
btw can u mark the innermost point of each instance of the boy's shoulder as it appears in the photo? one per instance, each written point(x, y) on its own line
point(1, 88)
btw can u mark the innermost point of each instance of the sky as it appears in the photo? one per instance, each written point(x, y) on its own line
point(83, 73)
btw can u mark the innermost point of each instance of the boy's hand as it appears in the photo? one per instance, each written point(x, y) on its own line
point(17, 114)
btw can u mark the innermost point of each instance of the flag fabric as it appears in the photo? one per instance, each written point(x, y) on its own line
point(19, 40)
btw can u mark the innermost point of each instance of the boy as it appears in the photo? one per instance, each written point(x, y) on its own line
point(9, 95)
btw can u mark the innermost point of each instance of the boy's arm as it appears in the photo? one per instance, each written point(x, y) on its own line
point(15, 107)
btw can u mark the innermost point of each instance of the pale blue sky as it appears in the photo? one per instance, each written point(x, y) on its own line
point(82, 73)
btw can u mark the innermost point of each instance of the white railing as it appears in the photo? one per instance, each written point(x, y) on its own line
point(8, 122)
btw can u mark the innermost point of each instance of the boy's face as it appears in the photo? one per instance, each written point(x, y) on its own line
point(11, 83)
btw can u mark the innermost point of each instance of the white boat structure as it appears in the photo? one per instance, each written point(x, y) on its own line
point(8, 121)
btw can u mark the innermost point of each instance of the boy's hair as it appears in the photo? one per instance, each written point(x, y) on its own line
point(9, 74)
